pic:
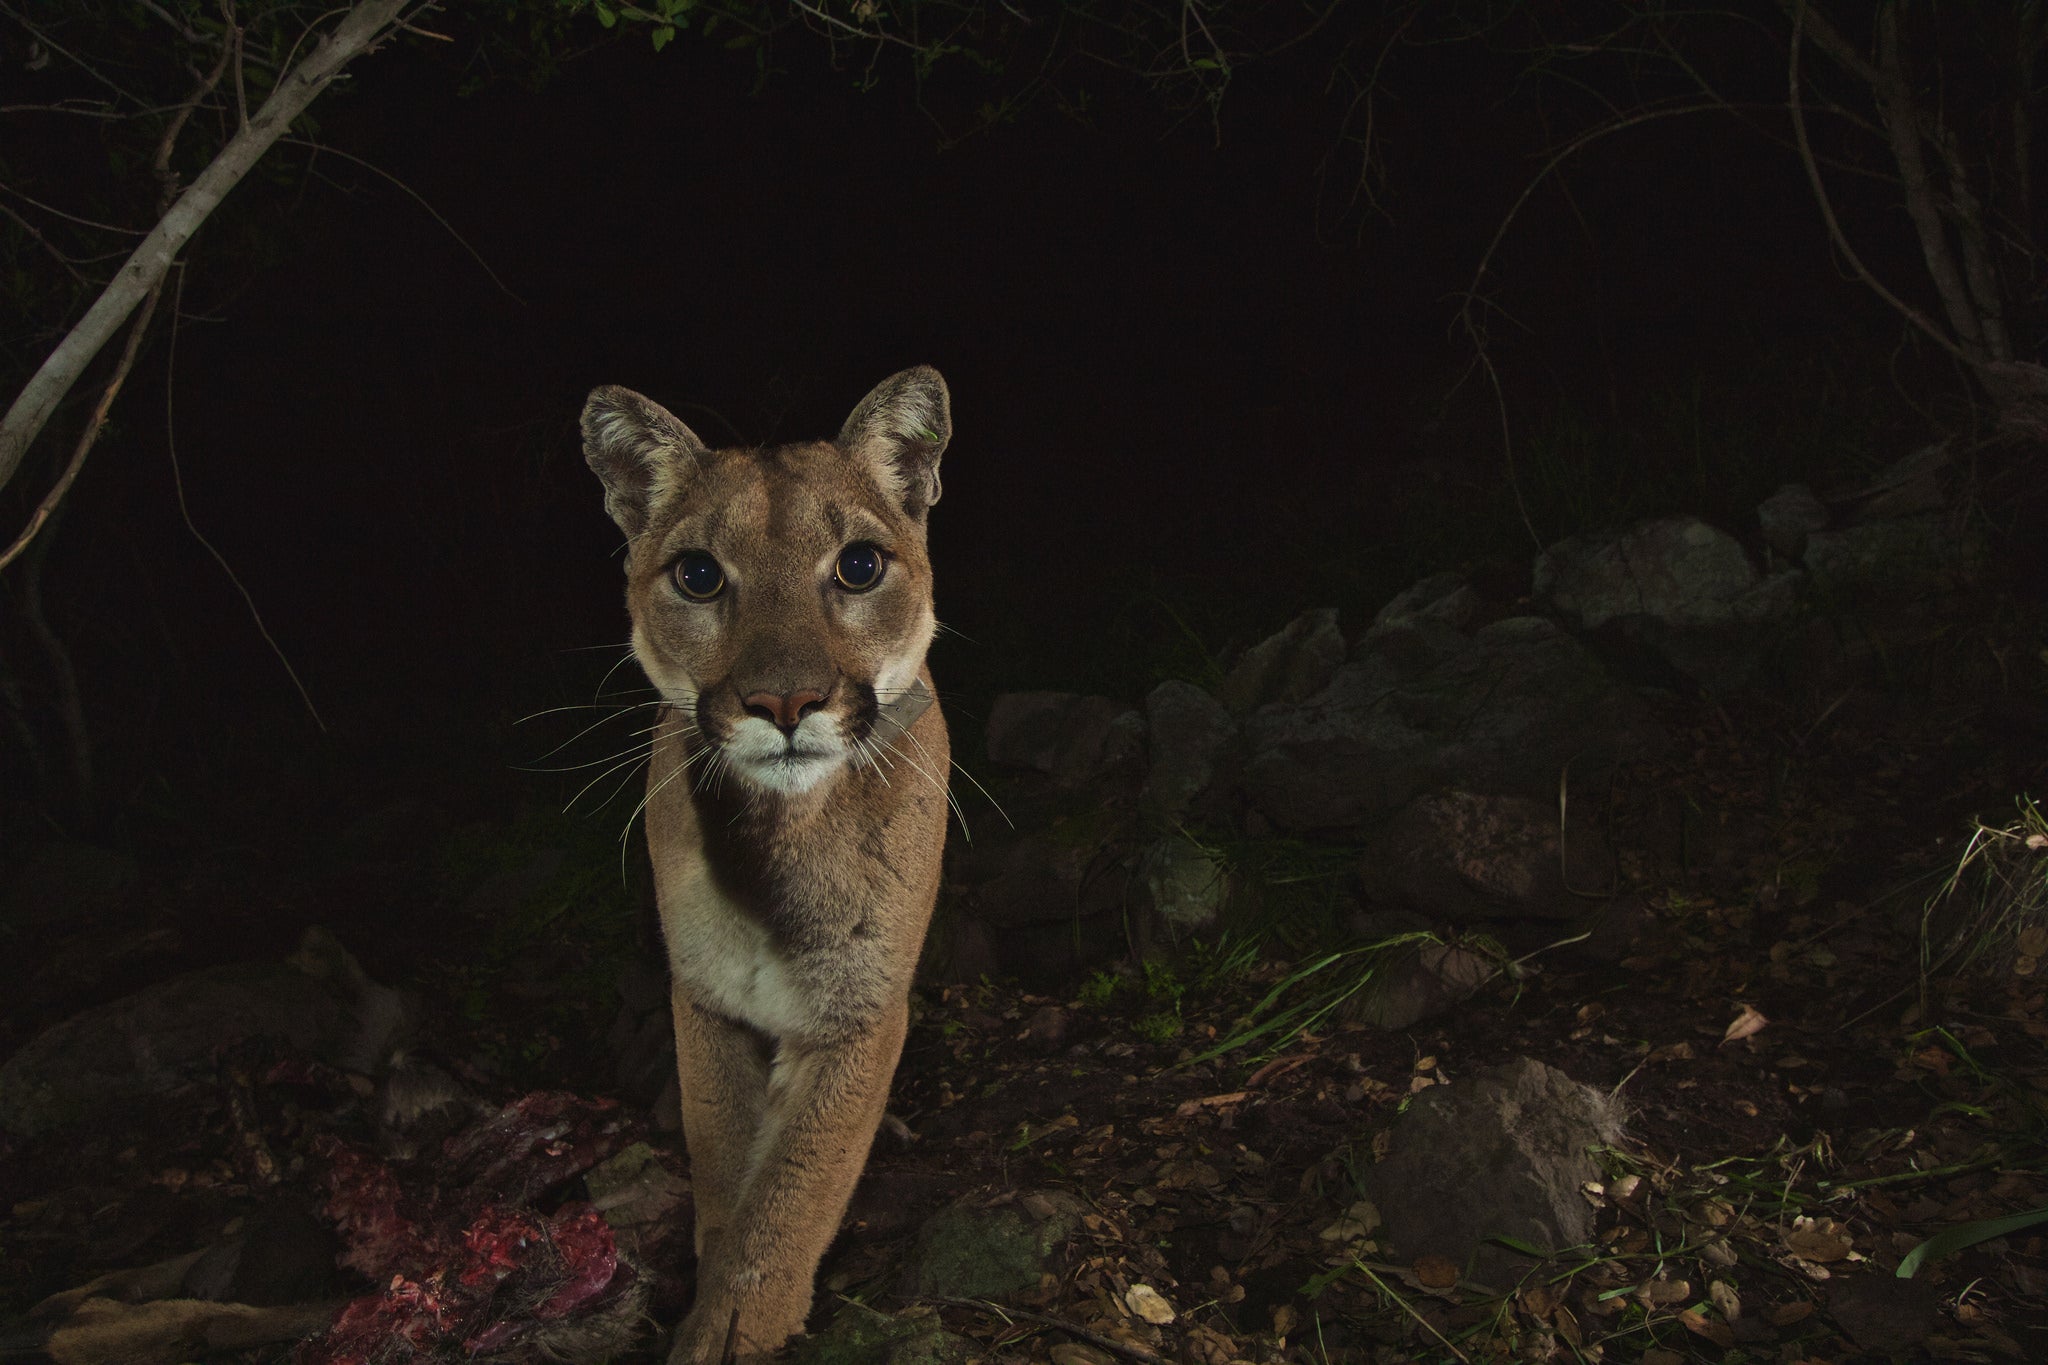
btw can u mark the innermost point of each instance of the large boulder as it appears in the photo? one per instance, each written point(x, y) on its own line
point(1912, 555)
point(1185, 888)
point(1677, 570)
point(1189, 741)
point(1040, 899)
point(1444, 597)
point(1678, 587)
point(973, 1250)
point(1499, 1152)
point(1788, 516)
point(1421, 705)
point(1074, 739)
point(1292, 665)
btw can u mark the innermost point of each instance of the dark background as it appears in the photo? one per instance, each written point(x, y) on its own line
point(1197, 386)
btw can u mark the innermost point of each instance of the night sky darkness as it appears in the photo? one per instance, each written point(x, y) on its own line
point(1180, 371)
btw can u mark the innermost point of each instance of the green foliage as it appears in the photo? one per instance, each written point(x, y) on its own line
point(1308, 996)
point(1160, 1026)
point(1099, 989)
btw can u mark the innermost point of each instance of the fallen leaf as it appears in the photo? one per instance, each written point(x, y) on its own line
point(1080, 1353)
point(1746, 1025)
point(1188, 1107)
point(1818, 1244)
point(1663, 1293)
point(1785, 1314)
point(1699, 1324)
point(1147, 1303)
point(1436, 1272)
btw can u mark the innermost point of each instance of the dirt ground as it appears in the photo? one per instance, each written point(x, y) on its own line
point(1801, 1113)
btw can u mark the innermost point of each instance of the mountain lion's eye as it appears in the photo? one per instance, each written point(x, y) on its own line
point(860, 566)
point(698, 577)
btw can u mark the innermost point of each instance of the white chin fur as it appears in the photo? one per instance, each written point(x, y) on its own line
point(761, 757)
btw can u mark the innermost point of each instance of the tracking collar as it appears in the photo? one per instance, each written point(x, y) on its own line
point(904, 711)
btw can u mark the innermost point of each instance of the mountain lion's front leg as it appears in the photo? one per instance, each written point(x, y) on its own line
point(723, 1067)
point(824, 1104)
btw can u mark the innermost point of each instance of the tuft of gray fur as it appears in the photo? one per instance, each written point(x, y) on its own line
point(902, 428)
point(639, 449)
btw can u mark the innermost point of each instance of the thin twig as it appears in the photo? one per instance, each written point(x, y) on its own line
point(178, 484)
point(98, 421)
point(93, 426)
point(1124, 1349)
point(59, 257)
point(53, 210)
point(417, 198)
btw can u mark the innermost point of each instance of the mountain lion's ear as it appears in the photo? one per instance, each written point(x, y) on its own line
point(901, 429)
point(640, 451)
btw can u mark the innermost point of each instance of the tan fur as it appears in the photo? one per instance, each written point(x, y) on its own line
point(795, 867)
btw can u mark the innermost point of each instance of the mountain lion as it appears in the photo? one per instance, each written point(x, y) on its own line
point(796, 809)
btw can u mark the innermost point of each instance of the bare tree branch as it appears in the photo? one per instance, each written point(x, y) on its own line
point(1895, 101)
point(358, 32)
point(1827, 207)
point(167, 184)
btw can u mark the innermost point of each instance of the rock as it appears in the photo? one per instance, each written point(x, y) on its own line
point(1621, 928)
point(1444, 597)
point(1421, 705)
point(1049, 874)
point(319, 1002)
point(1909, 485)
point(1070, 737)
point(1788, 517)
point(1046, 1029)
point(1906, 555)
point(860, 1335)
point(1461, 857)
point(1292, 665)
point(644, 1203)
point(1189, 735)
point(1500, 1152)
point(970, 1251)
point(1183, 886)
point(1677, 570)
point(1684, 589)
point(1039, 901)
point(1419, 982)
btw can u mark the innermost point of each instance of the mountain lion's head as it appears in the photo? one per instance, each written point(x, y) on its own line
point(780, 595)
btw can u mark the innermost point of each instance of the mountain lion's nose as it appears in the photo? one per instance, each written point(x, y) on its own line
point(783, 710)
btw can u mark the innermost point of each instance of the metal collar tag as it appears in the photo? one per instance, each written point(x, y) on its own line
point(904, 711)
